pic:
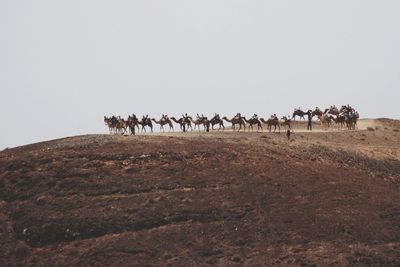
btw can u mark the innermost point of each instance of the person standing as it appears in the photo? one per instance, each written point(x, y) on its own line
point(309, 125)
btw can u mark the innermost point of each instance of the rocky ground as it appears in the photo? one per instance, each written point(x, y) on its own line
point(327, 198)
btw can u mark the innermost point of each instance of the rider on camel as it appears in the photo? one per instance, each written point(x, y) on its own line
point(238, 116)
point(114, 120)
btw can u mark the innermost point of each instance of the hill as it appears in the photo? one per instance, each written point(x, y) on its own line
point(184, 199)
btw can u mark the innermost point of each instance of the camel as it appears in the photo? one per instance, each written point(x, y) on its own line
point(163, 122)
point(351, 120)
point(217, 120)
point(235, 121)
point(334, 111)
point(325, 120)
point(200, 121)
point(317, 112)
point(188, 123)
point(286, 122)
point(120, 126)
point(115, 125)
point(272, 122)
point(132, 122)
point(343, 109)
point(146, 122)
point(109, 123)
point(126, 126)
point(180, 122)
point(252, 122)
point(346, 109)
point(350, 116)
point(184, 123)
point(339, 120)
point(300, 113)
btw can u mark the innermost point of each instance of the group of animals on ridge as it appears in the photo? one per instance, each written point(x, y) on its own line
point(346, 116)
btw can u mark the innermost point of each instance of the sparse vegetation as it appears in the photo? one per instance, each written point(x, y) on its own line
point(21, 250)
point(107, 200)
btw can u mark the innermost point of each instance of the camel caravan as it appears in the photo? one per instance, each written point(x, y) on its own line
point(346, 116)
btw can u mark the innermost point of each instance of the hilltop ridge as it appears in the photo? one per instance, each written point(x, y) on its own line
point(218, 198)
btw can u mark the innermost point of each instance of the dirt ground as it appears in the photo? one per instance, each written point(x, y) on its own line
point(325, 198)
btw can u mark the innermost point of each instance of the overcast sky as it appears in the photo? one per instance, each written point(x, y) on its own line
point(66, 64)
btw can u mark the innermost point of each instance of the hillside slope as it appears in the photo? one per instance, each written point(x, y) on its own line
point(326, 198)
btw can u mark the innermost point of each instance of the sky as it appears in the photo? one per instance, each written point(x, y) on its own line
point(66, 64)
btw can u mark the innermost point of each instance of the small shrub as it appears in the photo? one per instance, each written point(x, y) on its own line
point(395, 130)
point(370, 129)
point(22, 250)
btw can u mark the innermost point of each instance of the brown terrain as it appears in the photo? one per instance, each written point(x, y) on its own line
point(326, 198)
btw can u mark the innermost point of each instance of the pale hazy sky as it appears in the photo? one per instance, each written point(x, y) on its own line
point(65, 64)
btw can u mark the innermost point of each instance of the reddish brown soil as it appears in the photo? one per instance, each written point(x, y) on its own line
point(256, 199)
